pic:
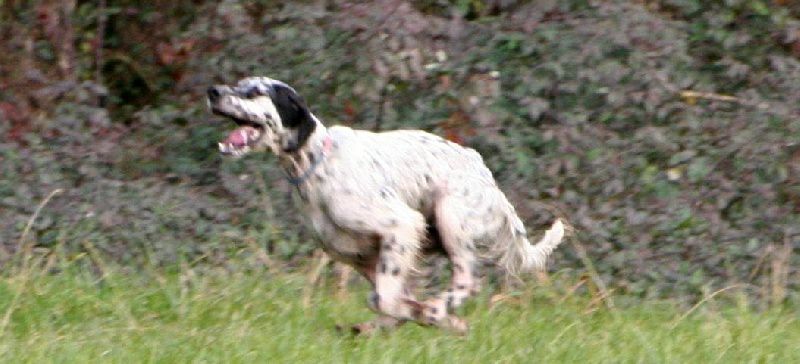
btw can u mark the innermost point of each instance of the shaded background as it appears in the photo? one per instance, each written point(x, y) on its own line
point(665, 131)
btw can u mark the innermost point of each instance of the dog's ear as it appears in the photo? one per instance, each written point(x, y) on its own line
point(294, 116)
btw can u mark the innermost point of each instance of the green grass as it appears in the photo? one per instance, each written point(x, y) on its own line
point(217, 316)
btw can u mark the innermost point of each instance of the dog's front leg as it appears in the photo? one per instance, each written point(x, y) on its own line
point(381, 322)
point(389, 273)
point(399, 230)
point(392, 295)
point(398, 250)
point(377, 324)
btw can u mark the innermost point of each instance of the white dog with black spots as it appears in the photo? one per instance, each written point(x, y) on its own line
point(380, 201)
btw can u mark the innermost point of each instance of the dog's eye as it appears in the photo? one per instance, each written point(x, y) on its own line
point(251, 93)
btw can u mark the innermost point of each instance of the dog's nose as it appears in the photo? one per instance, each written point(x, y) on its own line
point(213, 93)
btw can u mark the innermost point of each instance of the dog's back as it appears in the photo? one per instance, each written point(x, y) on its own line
point(413, 163)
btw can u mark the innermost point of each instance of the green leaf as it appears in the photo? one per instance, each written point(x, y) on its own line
point(698, 169)
point(759, 8)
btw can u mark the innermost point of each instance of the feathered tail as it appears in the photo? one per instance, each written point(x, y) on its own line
point(522, 256)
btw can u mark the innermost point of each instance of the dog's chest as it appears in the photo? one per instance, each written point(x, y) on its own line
point(341, 244)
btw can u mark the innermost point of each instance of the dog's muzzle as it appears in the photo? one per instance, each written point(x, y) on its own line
point(244, 138)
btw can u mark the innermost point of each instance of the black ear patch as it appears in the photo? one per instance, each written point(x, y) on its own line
point(294, 115)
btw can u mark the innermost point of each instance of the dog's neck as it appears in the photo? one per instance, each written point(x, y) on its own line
point(299, 165)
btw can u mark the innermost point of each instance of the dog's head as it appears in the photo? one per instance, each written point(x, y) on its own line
point(269, 113)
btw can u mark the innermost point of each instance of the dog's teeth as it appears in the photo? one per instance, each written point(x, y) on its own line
point(221, 147)
point(243, 133)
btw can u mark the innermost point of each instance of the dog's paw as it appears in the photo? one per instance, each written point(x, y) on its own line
point(455, 324)
point(361, 329)
point(371, 327)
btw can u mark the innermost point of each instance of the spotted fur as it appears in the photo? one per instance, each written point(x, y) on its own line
point(380, 201)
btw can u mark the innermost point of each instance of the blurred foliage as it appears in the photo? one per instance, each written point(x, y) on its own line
point(665, 131)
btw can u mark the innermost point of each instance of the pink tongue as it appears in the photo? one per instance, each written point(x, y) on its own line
point(237, 137)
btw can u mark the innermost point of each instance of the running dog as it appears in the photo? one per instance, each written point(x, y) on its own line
point(381, 201)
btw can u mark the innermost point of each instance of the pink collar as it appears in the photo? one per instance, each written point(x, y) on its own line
point(327, 144)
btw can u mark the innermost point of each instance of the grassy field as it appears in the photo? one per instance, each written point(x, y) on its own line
point(75, 317)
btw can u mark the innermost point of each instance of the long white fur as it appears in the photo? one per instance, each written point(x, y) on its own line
point(370, 198)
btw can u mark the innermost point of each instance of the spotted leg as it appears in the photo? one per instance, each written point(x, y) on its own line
point(382, 322)
point(457, 231)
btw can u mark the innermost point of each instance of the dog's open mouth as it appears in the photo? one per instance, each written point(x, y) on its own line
point(241, 140)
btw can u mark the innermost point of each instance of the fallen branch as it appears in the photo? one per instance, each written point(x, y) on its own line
point(692, 96)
